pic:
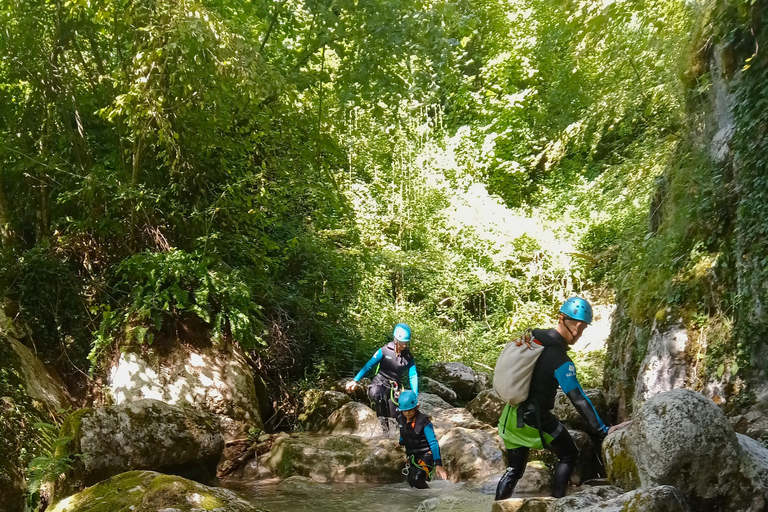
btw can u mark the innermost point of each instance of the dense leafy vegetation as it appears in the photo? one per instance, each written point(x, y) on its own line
point(299, 176)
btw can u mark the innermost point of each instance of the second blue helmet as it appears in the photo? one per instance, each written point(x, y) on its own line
point(408, 400)
point(577, 309)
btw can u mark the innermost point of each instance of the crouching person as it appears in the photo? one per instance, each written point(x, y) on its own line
point(418, 436)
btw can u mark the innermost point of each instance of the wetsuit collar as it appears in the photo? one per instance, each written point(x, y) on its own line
point(551, 338)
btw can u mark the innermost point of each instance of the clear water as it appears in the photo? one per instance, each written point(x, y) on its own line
point(442, 496)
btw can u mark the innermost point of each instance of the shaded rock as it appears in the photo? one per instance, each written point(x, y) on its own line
point(147, 491)
point(588, 465)
point(427, 385)
point(483, 381)
point(214, 378)
point(471, 454)
point(356, 419)
point(429, 404)
point(754, 424)
point(359, 394)
point(302, 484)
point(457, 376)
point(487, 406)
point(335, 458)
point(681, 438)
point(319, 405)
point(145, 434)
point(655, 499)
point(584, 500)
point(570, 417)
point(538, 504)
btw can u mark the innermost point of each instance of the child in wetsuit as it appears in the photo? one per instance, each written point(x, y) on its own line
point(418, 436)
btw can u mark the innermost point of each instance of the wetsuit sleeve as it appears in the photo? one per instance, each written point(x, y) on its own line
point(566, 377)
point(413, 378)
point(429, 431)
point(376, 359)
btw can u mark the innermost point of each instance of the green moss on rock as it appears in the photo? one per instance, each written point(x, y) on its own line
point(145, 491)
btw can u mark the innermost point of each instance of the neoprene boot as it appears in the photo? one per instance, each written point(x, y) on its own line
point(560, 479)
point(507, 484)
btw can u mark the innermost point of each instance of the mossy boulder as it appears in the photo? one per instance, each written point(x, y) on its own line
point(337, 458)
point(318, 406)
point(146, 434)
point(619, 463)
point(148, 491)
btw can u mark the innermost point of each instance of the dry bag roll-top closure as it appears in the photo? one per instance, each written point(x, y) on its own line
point(514, 368)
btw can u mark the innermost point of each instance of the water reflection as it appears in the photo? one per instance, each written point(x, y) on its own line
point(441, 496)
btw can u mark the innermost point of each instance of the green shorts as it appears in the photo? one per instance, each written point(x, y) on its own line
point(516, 434)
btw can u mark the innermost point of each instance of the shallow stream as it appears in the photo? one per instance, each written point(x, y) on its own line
point(441, 496)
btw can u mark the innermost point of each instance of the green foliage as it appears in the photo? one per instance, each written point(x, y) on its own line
point(52, 462)
point(163, 287)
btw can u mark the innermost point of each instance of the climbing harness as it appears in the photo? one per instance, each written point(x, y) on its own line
point(429, 470)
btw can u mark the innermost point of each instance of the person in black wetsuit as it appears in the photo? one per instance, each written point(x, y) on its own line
point(532, 424)
point(393, 360)
point(418, 436)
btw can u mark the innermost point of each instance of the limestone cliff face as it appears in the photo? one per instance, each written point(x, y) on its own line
point(708, 329)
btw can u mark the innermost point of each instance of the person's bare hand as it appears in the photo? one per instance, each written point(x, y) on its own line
point(351, 385)
point(619, 426)
point(441, 472)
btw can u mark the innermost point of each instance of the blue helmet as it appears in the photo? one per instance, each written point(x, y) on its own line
point(402, 333)
point(577, 309)
point(408, 400)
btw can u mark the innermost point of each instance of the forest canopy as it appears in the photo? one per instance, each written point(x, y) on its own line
point(299, 175)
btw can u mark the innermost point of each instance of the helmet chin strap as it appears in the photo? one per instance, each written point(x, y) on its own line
point(569, 329)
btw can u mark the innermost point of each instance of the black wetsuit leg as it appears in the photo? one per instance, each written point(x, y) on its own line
point(562, 445)
point(517, 458)
point(383, 406)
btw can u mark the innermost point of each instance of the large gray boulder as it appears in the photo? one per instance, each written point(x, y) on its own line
point(470, 454)
point(487, 406)
point(427, 385)
point(215, 378)
point(145, 434)
point(337, 458)
point(605, 499)
point(147, 491)
point(457, 376)
point(354, 418)
point(681, 438)
point(483, 381)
